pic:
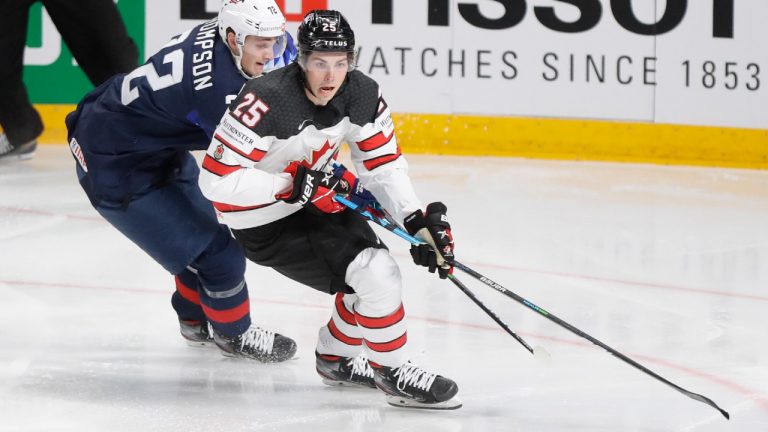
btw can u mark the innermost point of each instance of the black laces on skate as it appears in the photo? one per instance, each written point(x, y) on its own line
point(413, 375)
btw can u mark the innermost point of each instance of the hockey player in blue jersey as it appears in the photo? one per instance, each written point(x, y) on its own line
point(132, 137)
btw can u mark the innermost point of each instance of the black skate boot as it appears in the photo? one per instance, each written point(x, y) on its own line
point(20, 152)
point(257, 344)
point(197, 333)
point(345, 371)
point(410, 386)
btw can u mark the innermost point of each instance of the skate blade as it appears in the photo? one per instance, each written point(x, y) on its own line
point(400, 402)
point(248, 358)
point(199, 344)
point(347, 384)
point(17, 158)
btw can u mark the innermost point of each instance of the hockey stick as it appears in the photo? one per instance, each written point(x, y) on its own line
point(580, 333)
point(489, 312)
point(389, 225)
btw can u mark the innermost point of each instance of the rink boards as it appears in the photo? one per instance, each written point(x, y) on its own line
point(670, 82)
point(546, 138)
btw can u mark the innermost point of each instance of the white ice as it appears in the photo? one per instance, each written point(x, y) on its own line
point(668, 265)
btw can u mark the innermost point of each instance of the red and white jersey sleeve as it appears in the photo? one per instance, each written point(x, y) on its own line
point(381, 166)
point(231, 177)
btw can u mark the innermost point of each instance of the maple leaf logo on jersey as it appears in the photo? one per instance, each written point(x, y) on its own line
point(316, 155)
point(219, 153)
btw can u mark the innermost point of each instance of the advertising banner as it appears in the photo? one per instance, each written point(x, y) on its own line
point(675, 61)
point(699, 63)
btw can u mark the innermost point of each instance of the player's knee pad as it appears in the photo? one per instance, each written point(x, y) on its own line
point(375, 277)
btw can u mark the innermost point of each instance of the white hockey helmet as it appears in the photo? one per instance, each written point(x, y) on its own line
point(261, 18)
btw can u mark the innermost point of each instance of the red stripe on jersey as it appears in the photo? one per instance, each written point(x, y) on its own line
point(374, 163)
point(230, 208)
point(255, 155)
point(376, 141)
point(382, 322)
point(388, 346)
point(336, 333)
point(229, 315)
point(187, 292)
point(347, 316)
point(212, 165)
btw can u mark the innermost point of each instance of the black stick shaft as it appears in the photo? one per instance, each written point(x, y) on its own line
point(581, 334)
point(399, 231)
point(489, 312)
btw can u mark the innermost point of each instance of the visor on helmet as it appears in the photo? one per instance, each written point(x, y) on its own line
point(260, 18)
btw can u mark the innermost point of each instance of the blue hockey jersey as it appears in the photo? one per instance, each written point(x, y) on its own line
point(130, 133)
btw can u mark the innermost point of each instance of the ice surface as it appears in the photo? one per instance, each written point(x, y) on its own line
point(668, 265)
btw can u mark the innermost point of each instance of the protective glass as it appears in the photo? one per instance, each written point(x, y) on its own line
point(322, 65)
point(262, 47)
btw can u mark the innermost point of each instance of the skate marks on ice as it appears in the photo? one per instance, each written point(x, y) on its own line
point(661, 263)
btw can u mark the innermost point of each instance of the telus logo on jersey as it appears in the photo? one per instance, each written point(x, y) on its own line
point(590, 13)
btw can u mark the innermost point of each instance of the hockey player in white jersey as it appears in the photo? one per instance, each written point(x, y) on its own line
point(264, 171)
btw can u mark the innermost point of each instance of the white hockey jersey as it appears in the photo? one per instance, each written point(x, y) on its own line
point(272, 123)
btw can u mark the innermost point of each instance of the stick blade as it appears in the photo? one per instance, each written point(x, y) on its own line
point(709, 402)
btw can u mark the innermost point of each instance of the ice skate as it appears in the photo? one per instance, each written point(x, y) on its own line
point(197, 333)
point(410, 386)
point(21, 152)
point(257, 344)
point(345, 371)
